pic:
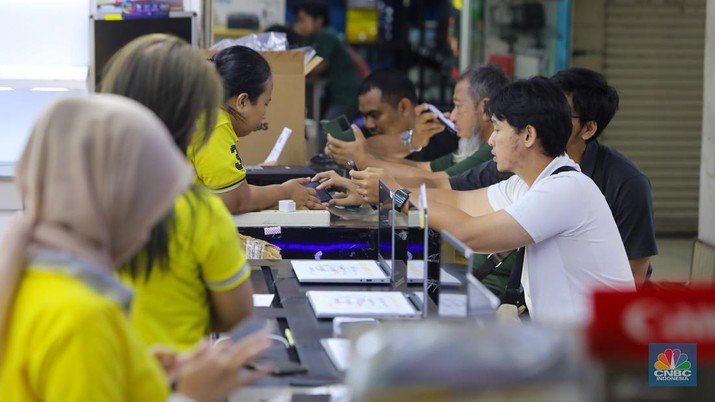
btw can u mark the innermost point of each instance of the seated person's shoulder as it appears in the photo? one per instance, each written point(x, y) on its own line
point(200, 208)
point(221, 134)
point(614, 162)
point(53, 294)
point(217, 162)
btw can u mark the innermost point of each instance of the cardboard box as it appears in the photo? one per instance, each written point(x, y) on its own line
point(287, 109)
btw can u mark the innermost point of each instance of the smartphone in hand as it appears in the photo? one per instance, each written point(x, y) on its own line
point(449, 124)
point(339, 128)
point(278, 367)
point(322, 194)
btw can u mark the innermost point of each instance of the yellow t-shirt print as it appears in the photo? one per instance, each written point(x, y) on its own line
point(239, 165)
point(217, 163)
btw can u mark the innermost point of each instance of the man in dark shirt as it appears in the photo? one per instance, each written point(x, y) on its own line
point(387, 100)
point(626, 189)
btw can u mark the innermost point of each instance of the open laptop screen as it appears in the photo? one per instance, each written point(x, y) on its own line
point(470, 297)
point(389, 242)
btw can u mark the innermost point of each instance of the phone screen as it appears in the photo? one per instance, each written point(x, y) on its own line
point(323, 194)
point(343, 123)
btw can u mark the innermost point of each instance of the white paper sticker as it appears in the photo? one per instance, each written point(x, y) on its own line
point(279, 145)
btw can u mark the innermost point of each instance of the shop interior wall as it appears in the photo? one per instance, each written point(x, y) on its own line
point(43, 38)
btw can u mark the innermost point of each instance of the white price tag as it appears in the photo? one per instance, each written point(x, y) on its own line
point(280, 144)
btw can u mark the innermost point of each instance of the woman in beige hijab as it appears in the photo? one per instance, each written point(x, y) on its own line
point(95, 175)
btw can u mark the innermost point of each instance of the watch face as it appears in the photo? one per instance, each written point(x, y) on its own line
point(401, 197)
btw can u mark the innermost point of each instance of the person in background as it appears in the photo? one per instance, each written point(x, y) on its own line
point(548, 206)
point(627, 190)
point(337, 68)
point(387, 100)
point(247, 85)
point(471, 93)
point(192, 277)
point(95, 175)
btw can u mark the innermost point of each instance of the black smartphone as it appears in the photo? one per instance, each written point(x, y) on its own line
point(278, 367)
point(322, 194)
point(339, 128)
point(352, 165)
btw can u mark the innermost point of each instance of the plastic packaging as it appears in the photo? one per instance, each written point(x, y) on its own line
point(261, 42)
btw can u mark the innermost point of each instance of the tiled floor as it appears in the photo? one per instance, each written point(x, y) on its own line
point(673, 260)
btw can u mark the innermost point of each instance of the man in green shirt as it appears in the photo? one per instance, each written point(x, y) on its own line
point(337, 68)
point(471, 93)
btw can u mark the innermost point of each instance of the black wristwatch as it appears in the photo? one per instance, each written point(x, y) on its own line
point(400, 198)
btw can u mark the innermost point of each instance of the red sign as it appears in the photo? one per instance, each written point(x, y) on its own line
point(624, 324)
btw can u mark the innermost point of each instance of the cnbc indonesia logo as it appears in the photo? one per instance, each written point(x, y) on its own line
point(671, 366)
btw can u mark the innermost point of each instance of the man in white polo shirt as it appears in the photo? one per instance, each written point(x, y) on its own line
point(572, 243)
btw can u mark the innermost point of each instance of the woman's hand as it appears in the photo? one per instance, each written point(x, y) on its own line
point(304, 197)
point(213, 371)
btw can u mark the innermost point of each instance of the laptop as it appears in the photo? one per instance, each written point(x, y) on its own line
point(471, 298)
point(389, 241)
point(360, 271)
point(339, 271)
point(422, 254)
point(339, 351)
point(331, 304)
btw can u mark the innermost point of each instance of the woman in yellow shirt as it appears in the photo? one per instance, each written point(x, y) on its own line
point(192, 277)
point(248, 86)
point(94, 177)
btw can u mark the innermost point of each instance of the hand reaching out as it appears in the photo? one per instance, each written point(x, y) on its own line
point(213, 371)
point(368, 183)
point(304, 197)
point(342, 151)
point(348, 195)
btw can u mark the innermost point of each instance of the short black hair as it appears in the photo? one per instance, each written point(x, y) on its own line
point(393, 84)
point(593, 99)
point(242, 70)
point(314, 8)
point(484, 81)
point(539, 103)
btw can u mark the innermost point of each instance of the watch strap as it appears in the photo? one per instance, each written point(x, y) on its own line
point(400, 198)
